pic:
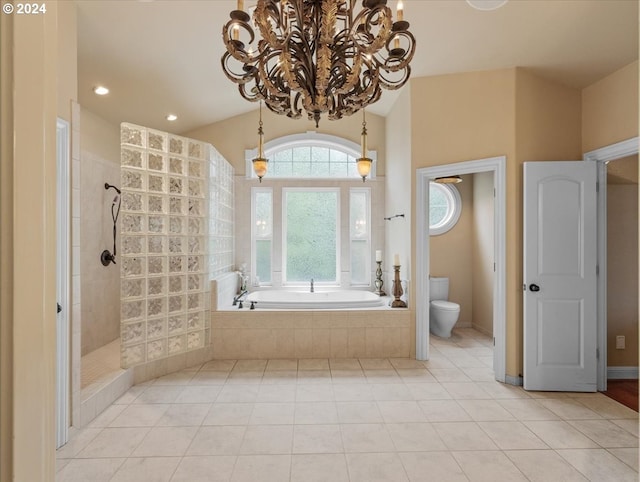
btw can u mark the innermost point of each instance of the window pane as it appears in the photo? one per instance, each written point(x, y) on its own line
point(444, 207)
point(352, 167)
point(439, 204)
point(302, 154)
point(263, 260)
point(311, 236)
point(301, 169)
point(337, 156)
point(319, 154)
point(283, 156)
point(320, 169)
point(282, 169)
point(437, 215)
point(359, 255)
point(338, 170)
point(263, 212)
point(359, 232)
point(358, 215)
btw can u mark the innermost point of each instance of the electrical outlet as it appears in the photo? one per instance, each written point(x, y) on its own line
point(620, 342)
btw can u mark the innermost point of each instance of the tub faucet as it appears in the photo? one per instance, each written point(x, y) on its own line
point(311, 285)
point(238, 298)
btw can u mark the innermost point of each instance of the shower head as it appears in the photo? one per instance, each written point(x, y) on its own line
point(108, 186)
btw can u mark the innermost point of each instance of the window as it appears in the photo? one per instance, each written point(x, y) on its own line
point(360, 234)
point(311, 234)
point(262, 233)
point(301, 225)
point(445, 206)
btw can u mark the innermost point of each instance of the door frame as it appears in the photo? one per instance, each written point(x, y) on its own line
point(497, 165)
point(63, 224)
point(602, 156)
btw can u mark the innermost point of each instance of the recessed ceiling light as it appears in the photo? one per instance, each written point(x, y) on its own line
point(486, 4)
point(172, 117)
point(101, 90)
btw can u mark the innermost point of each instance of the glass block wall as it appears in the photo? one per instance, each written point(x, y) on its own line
point(165, 236)
point(221, 229)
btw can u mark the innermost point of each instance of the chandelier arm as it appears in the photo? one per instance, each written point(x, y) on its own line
point(390, 84)
point(251, 97)
point(265, 17)
point(238, 78)
point(351, 73)
point(399, 58)
point(328, 19)
point(234, 46)
point(361, 29)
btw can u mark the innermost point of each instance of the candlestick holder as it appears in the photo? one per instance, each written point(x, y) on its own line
point(378, 282)
point(397, 290)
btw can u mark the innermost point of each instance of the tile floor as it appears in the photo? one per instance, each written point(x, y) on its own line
point(354, 420)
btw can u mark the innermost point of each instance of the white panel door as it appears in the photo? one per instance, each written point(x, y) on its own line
point(560, 322)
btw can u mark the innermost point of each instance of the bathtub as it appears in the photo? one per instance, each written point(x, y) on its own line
point(321, 300)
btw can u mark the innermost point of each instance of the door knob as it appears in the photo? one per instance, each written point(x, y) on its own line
point(534, 287)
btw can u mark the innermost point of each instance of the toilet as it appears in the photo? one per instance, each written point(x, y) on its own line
point(443, 314)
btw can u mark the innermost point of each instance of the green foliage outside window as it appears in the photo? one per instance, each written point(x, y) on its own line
point(311, 236)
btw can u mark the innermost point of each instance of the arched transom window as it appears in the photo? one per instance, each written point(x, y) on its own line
point(311, 156)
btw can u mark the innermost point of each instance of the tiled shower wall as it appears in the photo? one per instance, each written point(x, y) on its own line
point(100, 284)
point(167, 238)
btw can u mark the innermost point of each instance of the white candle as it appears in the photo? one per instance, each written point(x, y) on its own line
point(396, 260)
point(400, 11)
point(378, 255)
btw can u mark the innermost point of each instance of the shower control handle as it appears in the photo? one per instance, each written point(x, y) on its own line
point(534, 287)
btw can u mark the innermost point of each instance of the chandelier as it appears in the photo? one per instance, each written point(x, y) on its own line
point(322, 56)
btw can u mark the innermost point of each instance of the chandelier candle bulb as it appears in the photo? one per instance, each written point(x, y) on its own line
point(396, 260)
point(241, 5)
point(378, 255)
point(400, 11)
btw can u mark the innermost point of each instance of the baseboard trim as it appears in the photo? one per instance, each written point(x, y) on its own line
point(517, 381)
point(482, 330)
point(622, 373)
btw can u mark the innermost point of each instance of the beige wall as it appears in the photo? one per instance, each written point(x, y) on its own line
point(483, 252)
point(450, 255)
point(610, 115)
point(29, 82)
point(610, 109)
point(507, 112)
point(67, 58)
point(548, 117)
point(469, 116)
point(398, 188)
point(100, 294)
point(233, 136)
point(622, 272)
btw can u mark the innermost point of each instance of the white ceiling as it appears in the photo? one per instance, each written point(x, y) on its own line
point(161, 57)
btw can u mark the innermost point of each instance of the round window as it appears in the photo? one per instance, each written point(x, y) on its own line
point(444, 207)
